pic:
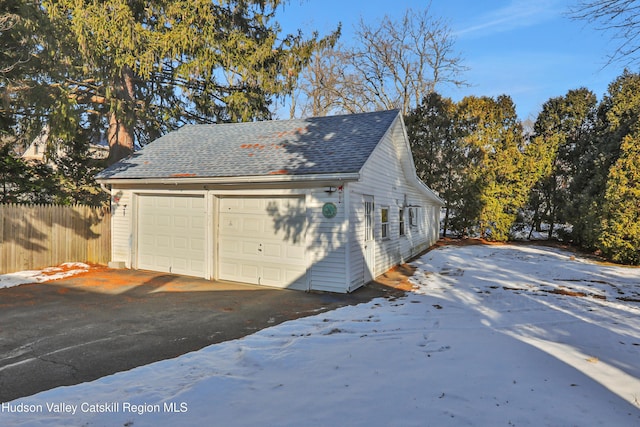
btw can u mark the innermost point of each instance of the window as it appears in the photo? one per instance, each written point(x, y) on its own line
point(384, 214)
point(401, 221)
point(413, 217)
point(368, 220)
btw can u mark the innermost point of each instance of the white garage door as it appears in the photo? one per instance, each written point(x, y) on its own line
point(262, 241)
point(171, 234)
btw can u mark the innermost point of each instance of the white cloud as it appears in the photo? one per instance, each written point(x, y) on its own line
point(517, 14)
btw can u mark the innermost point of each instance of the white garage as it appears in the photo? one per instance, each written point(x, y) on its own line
point(261, 240)
point(171, 234)
point(318, 204)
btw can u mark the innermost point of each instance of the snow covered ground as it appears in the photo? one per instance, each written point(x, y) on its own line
point(67, 269)
point(491, 336)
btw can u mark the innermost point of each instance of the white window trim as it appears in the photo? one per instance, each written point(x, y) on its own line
point(384, 225)
point(413, 217)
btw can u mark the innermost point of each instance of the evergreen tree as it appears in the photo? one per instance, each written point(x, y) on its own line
point(138, 69)
point(616, 118)
point(439, 156)
point(22, 33)
point(75, 171)
point(13, 175)
point(21, 182)
point(620, 237)
point(560, 126)
point(499, 172)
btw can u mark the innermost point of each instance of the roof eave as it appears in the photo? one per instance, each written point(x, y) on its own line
point(430, 193)
point(232, 180)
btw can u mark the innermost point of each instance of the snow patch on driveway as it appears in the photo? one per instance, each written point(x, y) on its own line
point(61, 271)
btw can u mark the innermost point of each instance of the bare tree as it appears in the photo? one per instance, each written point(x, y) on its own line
point(402, 61)
point(621, 17)
point(392, 65)
point(322, 84)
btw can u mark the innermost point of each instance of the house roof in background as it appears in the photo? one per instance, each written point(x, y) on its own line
point(319, 145)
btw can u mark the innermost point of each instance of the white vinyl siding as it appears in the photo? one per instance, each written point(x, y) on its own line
point(327, 241)
point(360, 230)
point(383, 176)
point(121, 226)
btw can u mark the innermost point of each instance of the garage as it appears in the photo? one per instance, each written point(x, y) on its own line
point(262, 241)
point(316, 204)
point(171, 234)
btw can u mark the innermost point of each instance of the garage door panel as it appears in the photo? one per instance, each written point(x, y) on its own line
point(293, 275)
point(180, 264)
point(231, 204)
point(180, 243)
point(231, 246)
point(228, 225)
point(162, 261)
point(171, 234)
point(180, 222)
point(163, 242)
point(163, 202)
point(249, 271)
point(197, 245)
point(272, 275)
point(295, 255)
point(145, 259)
point(251, 225)
point(272, 250)
point(198, 223)
point(197, 265)
point(228, 269)
point(260, 229)
point(180, 203)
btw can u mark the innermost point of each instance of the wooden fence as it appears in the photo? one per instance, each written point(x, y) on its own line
point(37, 236)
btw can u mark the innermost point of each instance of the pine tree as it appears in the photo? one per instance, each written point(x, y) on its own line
point(133, 70)
point(499, 172)
point(21, 182)
point(440, 157)
point(22, 33)
point(75, 170)
point(596, 153)
point(559, 128)
point(620, 237)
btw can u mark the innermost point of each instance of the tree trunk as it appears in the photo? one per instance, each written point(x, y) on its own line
point(446, 221)
point(551, 228)
point(122, 118)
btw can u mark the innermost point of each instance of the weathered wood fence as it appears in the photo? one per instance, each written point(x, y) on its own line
point(36, 236)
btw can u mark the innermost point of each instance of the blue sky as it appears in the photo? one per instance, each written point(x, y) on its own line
point(530, 50)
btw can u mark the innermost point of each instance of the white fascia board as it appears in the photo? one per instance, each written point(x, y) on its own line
point(429, 192)
point(233, 180)
point(410, 171)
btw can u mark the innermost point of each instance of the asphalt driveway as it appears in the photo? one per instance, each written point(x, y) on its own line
point(78, 329)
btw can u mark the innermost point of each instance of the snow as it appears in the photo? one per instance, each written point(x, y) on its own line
point(66, 269)
point(508, 335)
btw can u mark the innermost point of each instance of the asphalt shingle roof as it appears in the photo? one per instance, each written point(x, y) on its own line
point(320, 145)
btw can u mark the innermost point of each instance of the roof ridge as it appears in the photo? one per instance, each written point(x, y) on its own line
point(298, 119)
